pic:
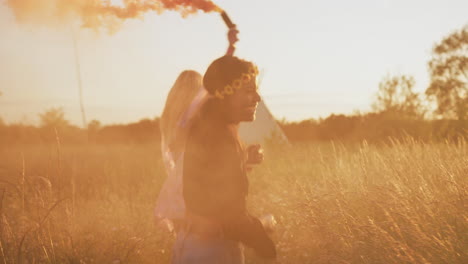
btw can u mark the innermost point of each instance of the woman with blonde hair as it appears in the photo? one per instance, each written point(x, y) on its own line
point(183, 101)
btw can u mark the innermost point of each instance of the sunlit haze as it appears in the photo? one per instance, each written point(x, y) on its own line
point(317, 57)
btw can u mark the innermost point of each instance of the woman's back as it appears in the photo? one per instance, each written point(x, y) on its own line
point(183, 101)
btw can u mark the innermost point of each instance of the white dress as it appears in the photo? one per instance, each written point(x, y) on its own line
point(170, 204)
point(190, 248)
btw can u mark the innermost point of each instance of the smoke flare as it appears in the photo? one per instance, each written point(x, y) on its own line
point(99, 13)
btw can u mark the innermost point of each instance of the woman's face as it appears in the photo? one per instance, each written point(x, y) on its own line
point(242, 105)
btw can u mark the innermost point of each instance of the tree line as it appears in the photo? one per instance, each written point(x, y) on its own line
point(440, 113)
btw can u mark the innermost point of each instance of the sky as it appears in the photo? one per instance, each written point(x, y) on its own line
point(317, 57)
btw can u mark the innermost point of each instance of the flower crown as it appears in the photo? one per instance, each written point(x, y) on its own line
point(237, 83)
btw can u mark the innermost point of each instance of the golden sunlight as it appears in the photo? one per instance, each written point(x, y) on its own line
point(157, 145)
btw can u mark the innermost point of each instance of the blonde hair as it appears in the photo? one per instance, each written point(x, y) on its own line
point(181, 95)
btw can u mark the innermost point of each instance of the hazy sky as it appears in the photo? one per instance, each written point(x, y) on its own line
point(319, 57)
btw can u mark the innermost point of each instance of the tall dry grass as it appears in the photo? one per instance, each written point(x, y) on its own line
point(402, 202)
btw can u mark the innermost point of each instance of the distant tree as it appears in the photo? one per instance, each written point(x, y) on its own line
point(53, 118)
point(94, 125)
point(300, 131)
point(93, 128)
point(396, 97)
point(337, 126)
point(449, 75)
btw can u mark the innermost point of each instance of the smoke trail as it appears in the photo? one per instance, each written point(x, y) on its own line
point(99, 13)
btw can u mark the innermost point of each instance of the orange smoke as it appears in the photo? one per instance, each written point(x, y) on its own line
point(99, 13)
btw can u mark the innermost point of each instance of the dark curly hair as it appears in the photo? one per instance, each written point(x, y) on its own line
point(224, 71)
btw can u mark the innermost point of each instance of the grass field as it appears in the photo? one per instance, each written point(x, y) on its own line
point(400, 202)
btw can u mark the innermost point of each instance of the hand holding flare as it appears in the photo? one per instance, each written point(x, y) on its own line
point(232, 33)
point(254, 156)
point(232, 38)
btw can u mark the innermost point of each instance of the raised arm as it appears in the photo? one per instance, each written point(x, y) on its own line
point(232, 38)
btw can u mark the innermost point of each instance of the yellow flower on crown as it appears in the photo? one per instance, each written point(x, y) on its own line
point(237, 83)
point(219, 94)
point(246, 78)
point(253, 70)
point(228, 89)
